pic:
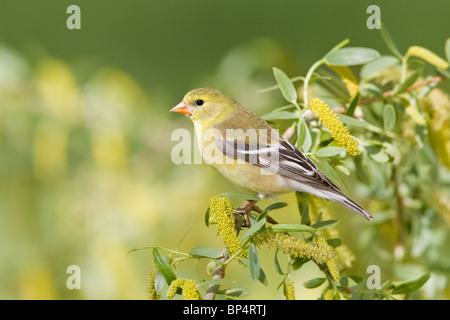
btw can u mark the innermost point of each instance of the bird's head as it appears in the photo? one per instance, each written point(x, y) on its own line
point(205, 103)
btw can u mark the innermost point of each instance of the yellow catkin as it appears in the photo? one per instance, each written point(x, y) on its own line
point(348, 78)
point(437, 107)
point(428, 56)
point(189, 290)
point(321, 252)
point(289, 291)
point(221, 213)
point(152, 294)
point(174, 285)
point(337, 129)
point(330, 262)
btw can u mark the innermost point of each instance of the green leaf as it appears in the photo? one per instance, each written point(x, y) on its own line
point(350, 121)
point(353, 104)
point(276, 205)
point(370, 88)
point(262, 215)
point(313, 283)
point(237, 291)
point(183, 237)
point(205, 252)
point(207, 217)
point(299, 262)
point(159, 281)
point(378, 153)
point(334, 242)
point(389, 117)
point(408, 82)
point(329, 169)
point(304, 140)
point(343, 169)
point(292, 228)
point(447, 49)
point(253, 262)
point(286, 87)
point(259, 225)
point(303, 207)
point(356, 279)
point(325, 224)
point(282, 115)
point(329, 151)
point(378, 64)
point(238, 194)
point(262, 277)
point(351, 56)
point(277, 264)
point(163, 266)
point(389, 41)
point(411, 286)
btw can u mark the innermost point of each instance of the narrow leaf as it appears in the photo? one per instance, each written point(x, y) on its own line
point(325, 224)
point(299, 262)
point(277, 263)
point(237, 291)
point(259, 225)
point(292, 228)
point(163, 266)
point(329, 151)
point(350, 121)
point(313, 283)
point(304, 140)
point(286, 87)
point(283, 115)
point(408, 82)
point(351, 56)
point(334, 242)
point(241, 195)
point(377, 65)
point(390, 42)
point(253, 262)
point(262, 277)
point(303, 207)
point(262, 215)
point(276, 205)
point(410, 286)
point(205, 252)
point(207, 217)
point(353, 104)
point(389, 117)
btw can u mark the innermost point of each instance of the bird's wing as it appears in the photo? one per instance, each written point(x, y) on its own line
point(283, 159)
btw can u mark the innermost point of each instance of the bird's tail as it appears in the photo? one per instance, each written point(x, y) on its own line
point(355, 207)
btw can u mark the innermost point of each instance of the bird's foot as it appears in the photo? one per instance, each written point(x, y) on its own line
point(245, 209)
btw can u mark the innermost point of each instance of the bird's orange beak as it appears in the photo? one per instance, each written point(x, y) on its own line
point(182, 107)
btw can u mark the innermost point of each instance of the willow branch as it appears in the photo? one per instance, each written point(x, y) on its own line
point(414, 86)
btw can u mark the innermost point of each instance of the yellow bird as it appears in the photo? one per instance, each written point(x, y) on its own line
point(250, 153)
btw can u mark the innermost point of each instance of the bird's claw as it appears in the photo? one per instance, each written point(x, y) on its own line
point(245, 209)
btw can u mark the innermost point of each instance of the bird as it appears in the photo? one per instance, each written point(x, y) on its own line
point(250, 153)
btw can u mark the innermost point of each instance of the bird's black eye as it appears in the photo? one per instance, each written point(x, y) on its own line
point(199, 102)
